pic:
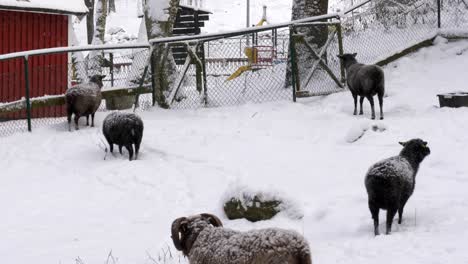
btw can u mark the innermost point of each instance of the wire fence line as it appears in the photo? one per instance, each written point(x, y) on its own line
point(238, 67)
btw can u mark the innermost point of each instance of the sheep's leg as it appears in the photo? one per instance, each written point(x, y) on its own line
point(76, 121)
point(69, 122)
point(137, 149)
point(400, 209)
point(371, 101)
point(92, 119)
point(390, 215)
point(120, 149)
point(355, 104)
point(361, 101)
point(111, 145)
point(130, 151)
point(375, 215)
point(380, 96)
point(87, 120)
point(400, 215)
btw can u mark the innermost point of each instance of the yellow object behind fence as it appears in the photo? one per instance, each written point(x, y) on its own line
point(252, 58)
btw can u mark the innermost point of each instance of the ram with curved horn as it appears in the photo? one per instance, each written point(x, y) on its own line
point(203, 239)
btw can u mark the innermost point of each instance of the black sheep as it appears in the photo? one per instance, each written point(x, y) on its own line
point(365, 81)
point(390, 183)
point(84, 100)
point(124, 130)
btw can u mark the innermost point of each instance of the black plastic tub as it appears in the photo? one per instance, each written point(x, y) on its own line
point(453, 99)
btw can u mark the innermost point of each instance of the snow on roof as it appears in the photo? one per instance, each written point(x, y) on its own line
point(194, 8)
point(75, 7)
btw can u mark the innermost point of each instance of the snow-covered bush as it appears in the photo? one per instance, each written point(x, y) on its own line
point(242, 202)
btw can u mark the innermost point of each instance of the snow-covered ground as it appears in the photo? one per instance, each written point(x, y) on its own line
point(61, 201)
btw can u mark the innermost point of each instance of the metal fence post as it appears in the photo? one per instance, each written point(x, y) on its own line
point(438, 13)
point(340, 48)
point(28, 103)
point(205, 84)
point(111, 58)
point(292, 54)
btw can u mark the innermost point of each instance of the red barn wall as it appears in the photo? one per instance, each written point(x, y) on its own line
point(21, 31)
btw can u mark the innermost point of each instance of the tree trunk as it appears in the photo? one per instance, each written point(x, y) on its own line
point(90, 20)
point(111, 6)
point(315, 35)
point(96, 58)
point(160, 16)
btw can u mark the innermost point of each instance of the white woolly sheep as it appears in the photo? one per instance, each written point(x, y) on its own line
point(203, 239)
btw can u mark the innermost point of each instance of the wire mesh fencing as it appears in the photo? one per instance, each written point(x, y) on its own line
point(383, 28)
point(50, 75)
point(249, 68)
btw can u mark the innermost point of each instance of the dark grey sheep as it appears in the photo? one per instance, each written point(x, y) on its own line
point(203, 239)
point(390, 183)
point(84, 100)
point(124, 130)
point(365, 81)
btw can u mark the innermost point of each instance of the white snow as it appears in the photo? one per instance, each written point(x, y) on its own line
point(72, 6)
point(61, 200)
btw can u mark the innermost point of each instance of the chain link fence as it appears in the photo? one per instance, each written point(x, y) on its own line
point(383, 28)
point(236, 69)
point(241, 69)
point(51, 74)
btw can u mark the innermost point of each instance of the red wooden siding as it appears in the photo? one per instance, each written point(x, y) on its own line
point(20, 31)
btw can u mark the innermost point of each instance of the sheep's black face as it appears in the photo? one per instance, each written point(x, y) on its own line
point(185, 230)
point(417, 148)
point(348, 58)
point(97, 79)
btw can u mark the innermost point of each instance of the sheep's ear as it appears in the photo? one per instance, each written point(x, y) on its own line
point(402, 143)
point(354, 55)
point(102, 77)
point(339, 56)
point(425, 143)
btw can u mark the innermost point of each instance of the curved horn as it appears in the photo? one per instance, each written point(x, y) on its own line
point(175, 230)
point(214, 220)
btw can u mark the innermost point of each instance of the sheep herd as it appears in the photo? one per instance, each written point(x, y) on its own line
point(119, 128)
point(203, 239)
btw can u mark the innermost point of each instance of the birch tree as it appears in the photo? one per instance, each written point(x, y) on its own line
point(97, 57)
point(90, 20)
point(160, 16)
point(315, 35)
point(111, 6)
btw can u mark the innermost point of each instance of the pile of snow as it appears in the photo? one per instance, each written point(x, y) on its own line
point(287, 208)
point(358, 130)
point(71, 6)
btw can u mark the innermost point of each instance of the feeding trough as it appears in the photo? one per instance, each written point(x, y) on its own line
point(453, 99)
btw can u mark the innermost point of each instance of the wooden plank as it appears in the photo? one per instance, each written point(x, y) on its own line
point(322, 63)
point(426, 43)
point(321, 54)
point(179, 50)
point(191, 18)
point(187, 10)
point(186, 31)
point(179, 80)
point(188, 24)
point(57, 100)
point(2, 39)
